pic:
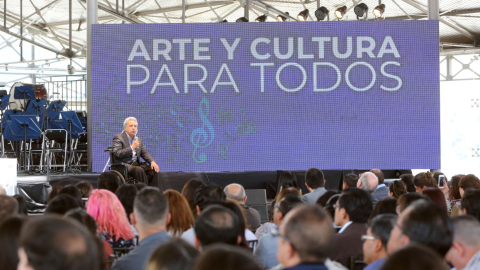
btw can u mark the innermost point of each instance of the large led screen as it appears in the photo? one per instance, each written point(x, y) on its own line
point(270, 96)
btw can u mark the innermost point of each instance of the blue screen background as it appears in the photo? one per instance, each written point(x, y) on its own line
point(253, 131)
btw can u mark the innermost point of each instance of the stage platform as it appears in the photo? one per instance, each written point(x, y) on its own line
point(176, 180)
point(57, 179)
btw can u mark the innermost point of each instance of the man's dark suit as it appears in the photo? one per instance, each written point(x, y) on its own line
point(349, 244)
point(381, 192)
point(123, 153)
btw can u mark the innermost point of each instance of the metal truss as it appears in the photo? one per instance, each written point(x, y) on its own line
point(51, 36)
point(462, 65)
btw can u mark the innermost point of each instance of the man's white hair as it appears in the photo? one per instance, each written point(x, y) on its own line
point(235, 192)
point(369, 182)
point(129, 119)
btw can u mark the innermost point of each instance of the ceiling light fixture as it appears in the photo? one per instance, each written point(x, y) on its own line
point(242, 19)
point(262, 18)
point(281, 18)
point(303, 15)
point(340, 12)
point(321, 13)
point(361, 10)
point(378, 11)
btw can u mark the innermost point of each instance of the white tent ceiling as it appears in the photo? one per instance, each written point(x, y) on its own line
point(46, 22)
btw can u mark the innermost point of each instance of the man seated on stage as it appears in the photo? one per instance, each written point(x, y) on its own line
point(128, 148)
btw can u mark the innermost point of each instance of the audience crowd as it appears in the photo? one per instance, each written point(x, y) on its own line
point(371, 223)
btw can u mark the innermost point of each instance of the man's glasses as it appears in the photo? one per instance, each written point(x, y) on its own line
point(367, 237)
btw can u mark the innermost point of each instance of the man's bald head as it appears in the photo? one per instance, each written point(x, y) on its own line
point(368, 182)
point(235, 192)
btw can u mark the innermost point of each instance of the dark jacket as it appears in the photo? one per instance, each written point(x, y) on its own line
point(349, 244)
point(122, 152)
point(137, 259)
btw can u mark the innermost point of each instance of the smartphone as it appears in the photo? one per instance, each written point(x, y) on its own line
point(441, 181)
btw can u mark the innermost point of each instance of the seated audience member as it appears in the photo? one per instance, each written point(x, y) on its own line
point(226, 257)
point(81, 216)
point(322, 201)
point(305, 238)
point(369, 182)
point(352, 211)
point(266, 250)
point(126, 195)
point(376, 239)
point(9, 238)
point(396, 189)
point(140, 186)
point(245, 234)
point(437, 197)
point(424, 180)
point(382, 190)
point(204, 196)
point(150, 216)
point(406, 199)
point(331, 205)
point(470, 204)
point(350, 181)
point(267, 227)
point(469, 181)
point(108, 181)
point(57, 243)
point(422, 223)
point(61, 204)
point(85, 188)
point(74, 192)
point(465, 250)
point(315, 183)
point(188, 192)
point(216, 224)
point(436, 176)
point(175, 254)
point(454, 194)
point(414, 257)
point(287, 179)
point(53, 193)
point(385, 206)
point(181, 218)
point(407, 179)
point(104, 247)
point(22, 205)
point(236, 193)
point(108, 212)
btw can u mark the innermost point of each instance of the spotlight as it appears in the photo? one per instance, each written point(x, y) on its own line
point(242, 19)
point(340, 12)
point(360, 10)
point(303, 15)
point(281, 18)
point(262, 18)
point(71, 69)
point(378, 11)
point(321, 13)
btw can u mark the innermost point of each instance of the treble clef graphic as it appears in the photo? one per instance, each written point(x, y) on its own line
point(203, 136)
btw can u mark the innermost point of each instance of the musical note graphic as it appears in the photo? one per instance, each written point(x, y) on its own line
point(203, 136)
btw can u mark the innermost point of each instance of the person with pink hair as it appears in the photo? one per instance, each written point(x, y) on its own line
point(111, 218)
